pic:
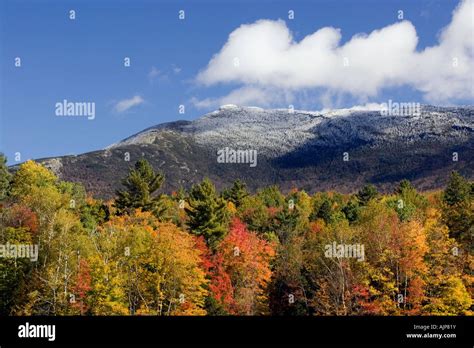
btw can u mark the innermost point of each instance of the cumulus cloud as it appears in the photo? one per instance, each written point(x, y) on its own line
point(263, 57)
point(125, 104)
point(246, 95)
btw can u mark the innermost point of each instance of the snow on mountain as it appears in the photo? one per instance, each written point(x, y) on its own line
point(275, 132)
point(272, 132)
point(303, 149)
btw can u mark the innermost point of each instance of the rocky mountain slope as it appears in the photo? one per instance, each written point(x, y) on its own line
point(338, 149)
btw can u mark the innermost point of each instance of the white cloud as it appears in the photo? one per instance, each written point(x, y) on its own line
point(154, 73)
point(247, 95)
point(446, 71)
point(270, 59)
point(125, 104)
point(365, 107)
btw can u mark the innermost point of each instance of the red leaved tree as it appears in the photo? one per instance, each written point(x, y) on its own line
point(242, 271)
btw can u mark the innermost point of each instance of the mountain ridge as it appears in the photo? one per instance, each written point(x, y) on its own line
point(303, 149)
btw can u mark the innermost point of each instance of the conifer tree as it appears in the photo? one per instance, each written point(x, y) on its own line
point(457, 189)
point(207, 213)
point(408, 203)
point(367, 193)
point(325, 211)
point(4, 177)
point(351, 210)
point(141, 185)
point(236, 193)
point(458, 211)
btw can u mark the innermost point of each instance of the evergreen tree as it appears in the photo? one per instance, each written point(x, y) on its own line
point(93, 213)
point(457, 190)
point(207, 213)
point(325, 211)
point(458, 211)
point(4, 177)
point(236, 193)
point(351, 210)
point(141, 185)
point(404, 185)
point(180, 194)
point(366, 194)
point(285, 224)
point(272, 197)
point(408, 203)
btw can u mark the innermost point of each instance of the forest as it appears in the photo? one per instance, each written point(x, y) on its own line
point(203, 252)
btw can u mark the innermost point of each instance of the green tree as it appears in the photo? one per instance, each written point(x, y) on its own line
point(257, 216)
point(272, 197)
point(408, 203)
point(4, 177)
point(236, 193)
point(351, 210)
point(141, 185)
point(457, 190)
point(93, 213)
point(458, 209)
point(325, 211)
point(404, 185)
point(367, 193)
point(207, 213)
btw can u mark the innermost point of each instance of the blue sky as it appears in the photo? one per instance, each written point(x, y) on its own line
point(82, 60)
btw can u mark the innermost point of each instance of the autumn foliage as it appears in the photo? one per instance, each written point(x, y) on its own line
point(242, 271)
point(205, 252)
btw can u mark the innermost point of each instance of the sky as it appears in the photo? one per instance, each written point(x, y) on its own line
point(329, 54)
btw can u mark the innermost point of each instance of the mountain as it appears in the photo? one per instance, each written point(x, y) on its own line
point(294, 149)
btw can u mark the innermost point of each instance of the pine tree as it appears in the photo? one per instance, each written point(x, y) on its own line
point(458, 210)
point(180, 194)
point(367, 193)
point(207, 213)
point(351, 210)
point(403, 186)
point(408, 203)
point(325, 211)
point(457, 189)
point(140, 186)
point(4, 177)
point(236, 193)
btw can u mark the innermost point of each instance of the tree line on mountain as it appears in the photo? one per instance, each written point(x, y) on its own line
point(203, 252)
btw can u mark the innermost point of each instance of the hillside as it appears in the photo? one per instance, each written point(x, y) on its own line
point(294, 149)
